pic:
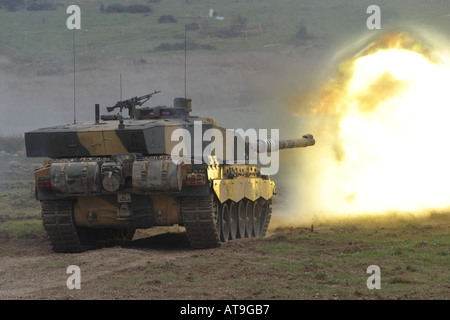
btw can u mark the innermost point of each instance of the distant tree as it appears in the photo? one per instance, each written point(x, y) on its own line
point(40, 6)
point(238, 23)
point(192, 26)
point(181, 45)
point(12, 5)
point(138, 8)
point(167, 19)
point(303, 34)
point(135, 8)
point(115, 8)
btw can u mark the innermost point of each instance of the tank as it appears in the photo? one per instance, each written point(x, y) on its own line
point(104, 179)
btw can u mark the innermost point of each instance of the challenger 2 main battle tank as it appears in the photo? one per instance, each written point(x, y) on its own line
point(156, 166)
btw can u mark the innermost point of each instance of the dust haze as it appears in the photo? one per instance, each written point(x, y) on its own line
point(240, 90)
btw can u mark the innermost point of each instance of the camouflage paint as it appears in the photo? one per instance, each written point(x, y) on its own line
point(146, 211)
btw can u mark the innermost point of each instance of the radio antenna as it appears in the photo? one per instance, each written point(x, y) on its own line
point(120, 87)
point(185, 58)
point(74, 91)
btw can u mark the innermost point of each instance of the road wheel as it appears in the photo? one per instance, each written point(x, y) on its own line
point(256, 219)
point(224, 217)
point(241, 219)
point(248, 219)
point(233, 220)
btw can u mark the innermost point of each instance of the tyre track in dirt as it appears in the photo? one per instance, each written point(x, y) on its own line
point(36, 272)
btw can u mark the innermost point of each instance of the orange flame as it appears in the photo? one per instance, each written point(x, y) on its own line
point(369, 157)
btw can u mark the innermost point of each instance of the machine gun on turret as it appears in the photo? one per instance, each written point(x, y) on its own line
point(131, 103)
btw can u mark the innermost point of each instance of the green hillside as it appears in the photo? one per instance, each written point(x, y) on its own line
point(35, 31)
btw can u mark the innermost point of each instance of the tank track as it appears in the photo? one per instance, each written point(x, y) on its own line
point(199, 214)
point(267, 216)
point(200, 218)
point(66, 237)
point(57, 218)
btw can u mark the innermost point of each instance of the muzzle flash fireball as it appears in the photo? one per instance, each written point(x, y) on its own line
point(385, 132)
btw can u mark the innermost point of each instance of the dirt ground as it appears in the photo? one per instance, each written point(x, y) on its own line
point(33, 271)
point(293, 263)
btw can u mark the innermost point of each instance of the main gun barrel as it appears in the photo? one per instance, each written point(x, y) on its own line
point(268, 145)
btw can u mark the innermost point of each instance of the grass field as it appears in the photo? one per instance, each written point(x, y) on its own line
point(19, 212)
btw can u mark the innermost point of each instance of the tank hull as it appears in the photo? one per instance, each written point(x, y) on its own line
point(215, 203)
